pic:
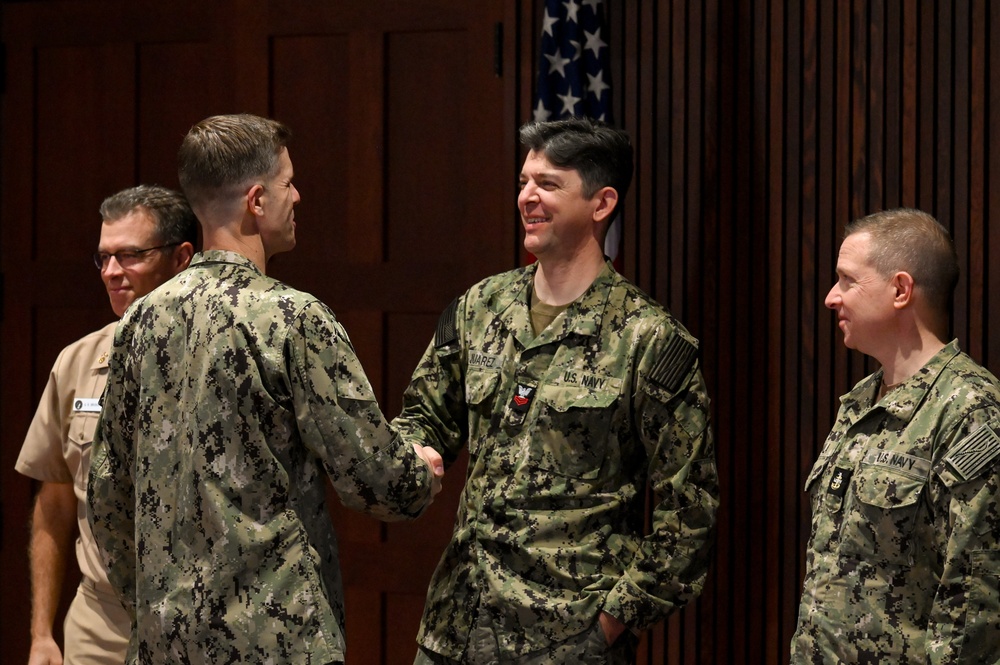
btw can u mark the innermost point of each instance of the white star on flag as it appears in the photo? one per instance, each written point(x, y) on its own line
point(597, 85)
point(557, 63)
point(547, 24)
point(572, 9)
point(594, 42)
point(569, 103)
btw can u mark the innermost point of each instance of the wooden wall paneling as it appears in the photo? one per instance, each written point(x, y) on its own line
point(946, 160)
point(80, 91)
point(761, 127)
point(70, 139)
point(365, 621)
point(669, 272)
point(926, 110)
point(417, 134)
point(529, 32)
point(745, 618)
point(177, 87)
point(909, 104)
point(718, 278)
point(840, 84)
point(893, 108)
point(826, 252)
point(312, 93)
point(978, 49)
point(643, 92)
point(992, 185)
point(875, 71)
point(761, 558)
point(730, 594)
point(800, 274)
point(771, 89)
point(814, 276)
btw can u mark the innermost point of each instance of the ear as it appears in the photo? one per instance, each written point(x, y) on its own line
point(902, 283)
point(182, 256)
point(255, 206)
point(607, 201)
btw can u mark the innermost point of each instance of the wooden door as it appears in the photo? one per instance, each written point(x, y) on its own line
point(405, 156)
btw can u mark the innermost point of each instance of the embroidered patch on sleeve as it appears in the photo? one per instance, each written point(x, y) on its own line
point(447, 332)
point(675, 362)
point(974, 453)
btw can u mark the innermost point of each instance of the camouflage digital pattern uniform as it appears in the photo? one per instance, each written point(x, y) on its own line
point(564, 431)
point(229, 396)
point(903, 559)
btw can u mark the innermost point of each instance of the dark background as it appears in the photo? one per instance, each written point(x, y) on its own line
point(761, 127)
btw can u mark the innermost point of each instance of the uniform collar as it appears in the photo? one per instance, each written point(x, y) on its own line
point(904, 400)
point(213, 256)
point(582, 317)
point(101, 361)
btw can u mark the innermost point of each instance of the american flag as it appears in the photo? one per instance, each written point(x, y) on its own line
point(574, 74)
point(573, 70)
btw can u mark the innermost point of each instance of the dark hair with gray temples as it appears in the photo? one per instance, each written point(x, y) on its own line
point(175, 222)
point(912, 241)
point(601, 154)
point(223, 153)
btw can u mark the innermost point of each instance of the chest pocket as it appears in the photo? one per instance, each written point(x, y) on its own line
point(80, 441)
point(573, 429)
point(480, 395)
point(881, 515)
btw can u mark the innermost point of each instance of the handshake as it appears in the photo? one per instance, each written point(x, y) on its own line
point(434, 463)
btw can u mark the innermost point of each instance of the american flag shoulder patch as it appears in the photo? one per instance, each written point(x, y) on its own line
point(674, 363)
point(974, 453)
point(447, 331)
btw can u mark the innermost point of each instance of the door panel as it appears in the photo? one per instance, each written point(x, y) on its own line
point(403, 152)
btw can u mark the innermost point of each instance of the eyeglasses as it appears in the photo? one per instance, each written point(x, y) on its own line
point(126, 259)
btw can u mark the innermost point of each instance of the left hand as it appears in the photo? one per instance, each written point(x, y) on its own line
point(613, 628)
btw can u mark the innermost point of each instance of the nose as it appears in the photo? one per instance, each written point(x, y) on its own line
point(833, 298)
point(112, 267)
point(296, 197)
point(528, 194)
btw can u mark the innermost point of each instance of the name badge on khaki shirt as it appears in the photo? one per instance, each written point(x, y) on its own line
point(86, 405)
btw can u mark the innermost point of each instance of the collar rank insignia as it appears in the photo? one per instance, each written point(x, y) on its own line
point(839, 482)
point(522, 398)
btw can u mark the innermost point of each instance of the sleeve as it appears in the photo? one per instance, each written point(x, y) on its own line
point(672, 419)
point(110, 491)
point(965, 495)
point(372, 468)
point(435, 412)
point(41, 455)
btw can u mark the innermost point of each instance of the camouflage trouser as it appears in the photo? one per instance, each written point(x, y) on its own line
point(587, 648)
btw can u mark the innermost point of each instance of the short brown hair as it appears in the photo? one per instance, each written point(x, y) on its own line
point(172, 216)
point(223, 153)
point(601, 154)
point(904, 239)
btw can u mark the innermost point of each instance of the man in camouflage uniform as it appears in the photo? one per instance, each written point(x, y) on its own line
point(903, 562)
point(574, 390)
point(230, 394)
point(147, 236)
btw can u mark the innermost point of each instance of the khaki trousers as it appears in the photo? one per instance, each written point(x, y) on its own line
point(97, 628)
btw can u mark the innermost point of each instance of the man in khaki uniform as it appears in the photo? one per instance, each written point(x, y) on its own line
point(148, 236)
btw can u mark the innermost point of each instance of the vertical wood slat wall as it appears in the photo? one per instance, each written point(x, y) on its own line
point(761, 128)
